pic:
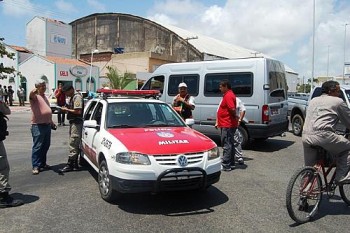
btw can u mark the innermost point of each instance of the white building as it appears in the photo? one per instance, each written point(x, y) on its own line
point(49, 37)
point(54, 70)
point(48, 56)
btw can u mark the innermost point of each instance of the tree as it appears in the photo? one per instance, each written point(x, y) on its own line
point(315, 80)
point(304, 88)
point(117, 81)
point(5, 70)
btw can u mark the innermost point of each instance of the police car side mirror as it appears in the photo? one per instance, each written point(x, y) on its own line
point(91, 124)
point(189, 121)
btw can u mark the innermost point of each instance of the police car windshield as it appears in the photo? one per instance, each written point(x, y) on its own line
point(142, 114)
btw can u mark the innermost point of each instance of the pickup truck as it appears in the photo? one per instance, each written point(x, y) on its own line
point(297, 111)
point(297, 107)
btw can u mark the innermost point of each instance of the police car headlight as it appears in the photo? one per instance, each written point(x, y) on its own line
point(213, 153)
point(132, 158)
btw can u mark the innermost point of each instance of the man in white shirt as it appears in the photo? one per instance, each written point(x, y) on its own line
point(240, 112)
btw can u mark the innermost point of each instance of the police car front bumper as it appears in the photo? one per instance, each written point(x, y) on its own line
point(170, 180)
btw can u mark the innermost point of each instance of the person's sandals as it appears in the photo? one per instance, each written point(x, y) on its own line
point(35, 171)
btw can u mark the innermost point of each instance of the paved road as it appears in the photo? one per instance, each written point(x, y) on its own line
point(248, 199)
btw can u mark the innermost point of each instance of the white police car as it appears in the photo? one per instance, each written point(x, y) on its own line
point(143, 145)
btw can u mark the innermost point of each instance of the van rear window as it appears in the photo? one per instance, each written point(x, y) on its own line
point(241, 83)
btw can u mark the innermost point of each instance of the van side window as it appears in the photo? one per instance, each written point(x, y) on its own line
point(241, 83)
point(191, 80)
point(155, 83)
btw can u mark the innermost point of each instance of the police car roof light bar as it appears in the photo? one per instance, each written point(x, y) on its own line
point(134, 93)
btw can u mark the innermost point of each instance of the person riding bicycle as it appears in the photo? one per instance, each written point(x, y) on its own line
point(323, 114)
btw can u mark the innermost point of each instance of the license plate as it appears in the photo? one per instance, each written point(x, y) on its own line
point(275, 111)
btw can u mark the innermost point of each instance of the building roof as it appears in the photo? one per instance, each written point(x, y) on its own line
point(68, 61)
point(204, 44)
point(20, 49)
point(214, 47)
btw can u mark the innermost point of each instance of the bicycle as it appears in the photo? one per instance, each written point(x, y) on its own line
point(307, 185)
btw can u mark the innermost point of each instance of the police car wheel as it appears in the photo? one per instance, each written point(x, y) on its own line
point(105, 184)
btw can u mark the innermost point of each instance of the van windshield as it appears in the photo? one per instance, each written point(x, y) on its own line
point(154, 83)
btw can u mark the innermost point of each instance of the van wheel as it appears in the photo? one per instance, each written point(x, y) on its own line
point(105, 184)
point(297, 124)
point(243, 136)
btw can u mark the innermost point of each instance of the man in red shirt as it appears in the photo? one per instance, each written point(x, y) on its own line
point(61, 102)
point(227, 121)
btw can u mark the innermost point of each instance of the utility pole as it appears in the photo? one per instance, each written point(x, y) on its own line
point(328, 62)
point(313, 45)
point(344, 52)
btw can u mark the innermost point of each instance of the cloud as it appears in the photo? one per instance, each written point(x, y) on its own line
point(178, 7)
point(281, 29)
point(65, 6)
point(18, 8)
point(212, 15)
point(162, 18)
point(96, 5)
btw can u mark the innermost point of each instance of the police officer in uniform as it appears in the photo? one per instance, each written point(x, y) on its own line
point(74, 112)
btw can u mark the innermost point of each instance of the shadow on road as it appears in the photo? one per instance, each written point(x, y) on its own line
point(332, 208)
point(269, 145)
point(329, 208)
point(57, 168)
point(173, 203)
point(25, 197)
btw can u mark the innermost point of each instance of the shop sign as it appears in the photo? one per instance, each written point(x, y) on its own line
point(78, 71)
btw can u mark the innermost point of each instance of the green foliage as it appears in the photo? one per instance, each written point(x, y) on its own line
point(315, 80)
point(304, 88)
point(3, 69)
point(118, 81)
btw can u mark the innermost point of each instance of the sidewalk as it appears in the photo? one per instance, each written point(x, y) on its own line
point(17, 108)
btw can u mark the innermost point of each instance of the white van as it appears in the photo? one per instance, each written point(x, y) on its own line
point(259, 82)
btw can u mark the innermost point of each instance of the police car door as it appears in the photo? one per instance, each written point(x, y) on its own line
point(90, 135)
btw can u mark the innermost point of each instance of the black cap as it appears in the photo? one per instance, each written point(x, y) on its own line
point(67, 87)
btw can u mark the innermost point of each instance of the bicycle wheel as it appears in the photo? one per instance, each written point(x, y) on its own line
point(345, 193)
point(303, 194)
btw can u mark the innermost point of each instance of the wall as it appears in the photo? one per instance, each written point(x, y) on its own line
point(292, 81)
point(106, 32)
point(43, 67)
point(59, 39)
point(36, 36)
point(63, 73)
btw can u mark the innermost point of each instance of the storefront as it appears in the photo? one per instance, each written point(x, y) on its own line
point(54, 70)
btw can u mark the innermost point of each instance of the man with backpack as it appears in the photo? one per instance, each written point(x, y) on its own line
point(5, 199)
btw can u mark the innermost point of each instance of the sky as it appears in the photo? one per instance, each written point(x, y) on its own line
point(282, 29)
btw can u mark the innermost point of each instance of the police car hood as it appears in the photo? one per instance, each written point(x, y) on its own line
point(160, 141)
